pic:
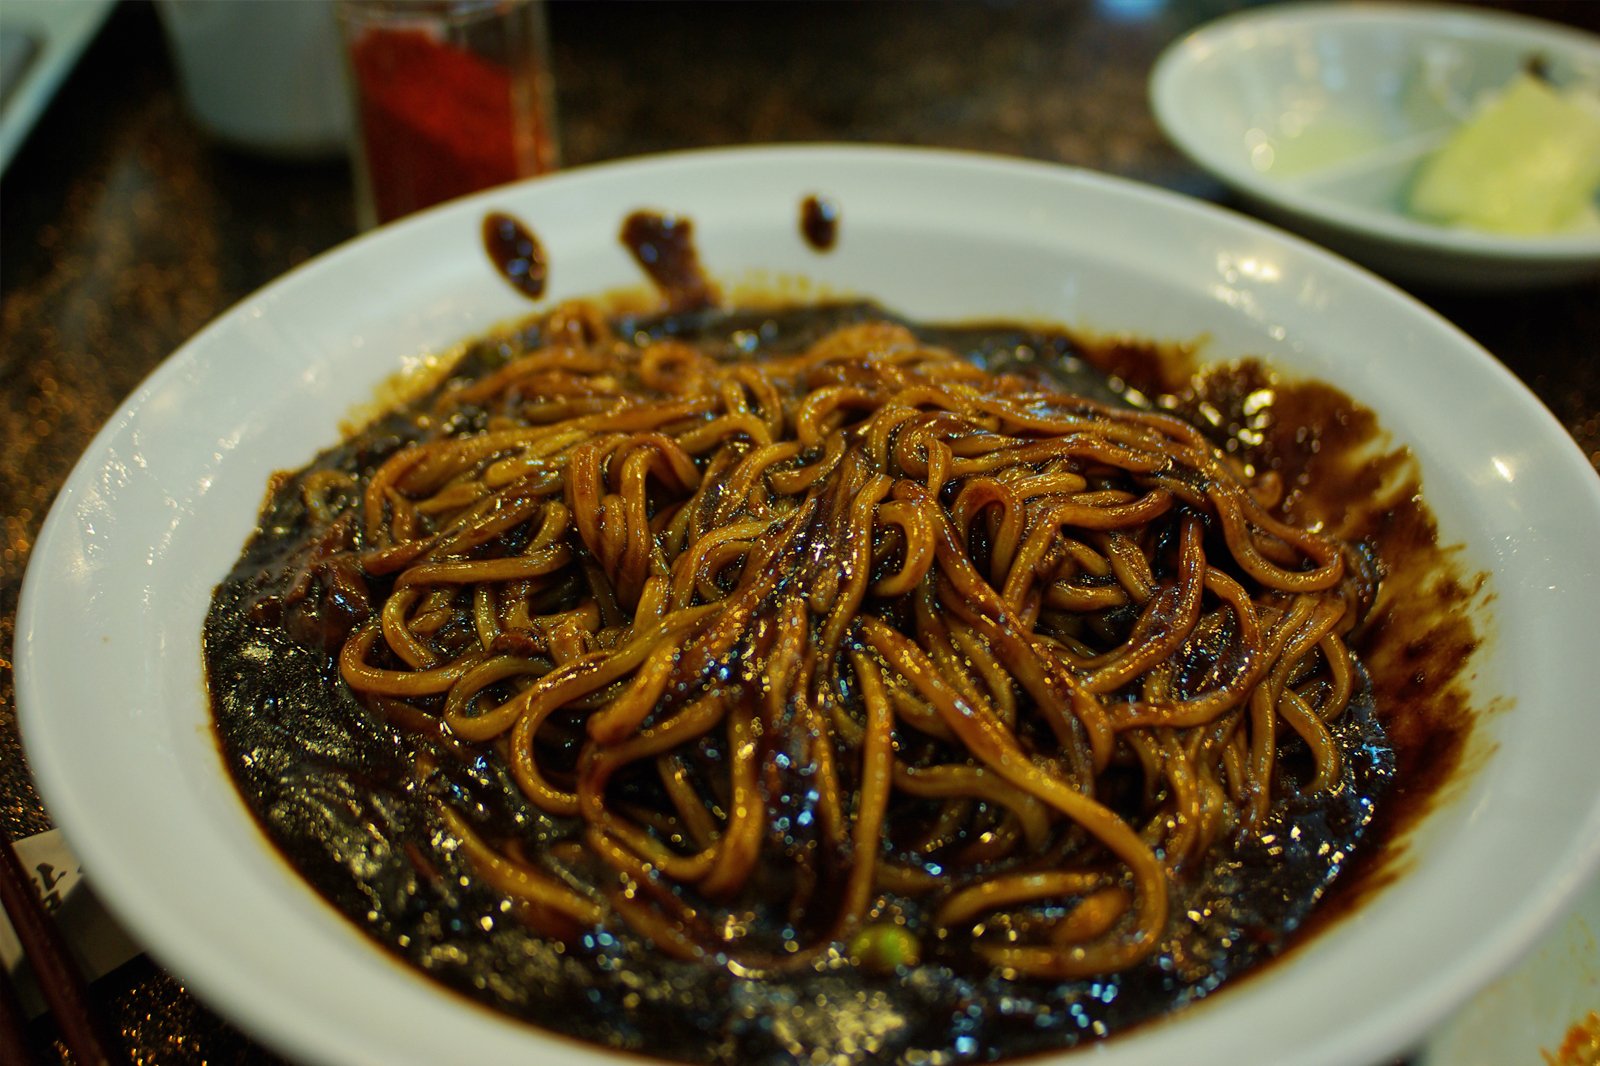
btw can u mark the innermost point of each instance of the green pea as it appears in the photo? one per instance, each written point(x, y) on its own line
point(884, 948)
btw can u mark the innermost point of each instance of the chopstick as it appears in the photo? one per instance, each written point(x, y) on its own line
point(60, 980)
point(13, 1025)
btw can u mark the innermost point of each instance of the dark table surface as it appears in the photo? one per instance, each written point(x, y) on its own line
point(125, 230)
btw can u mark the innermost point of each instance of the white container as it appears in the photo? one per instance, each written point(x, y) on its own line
point(263, 77)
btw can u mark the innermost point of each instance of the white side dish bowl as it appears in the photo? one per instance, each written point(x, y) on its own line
point(109, 681)
point(1319, 115)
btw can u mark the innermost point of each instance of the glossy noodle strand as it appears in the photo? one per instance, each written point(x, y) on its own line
point(806, 635)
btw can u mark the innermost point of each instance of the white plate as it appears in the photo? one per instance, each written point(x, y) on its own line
point(108, 663)
point(1318, 113)
point(1532, 1008)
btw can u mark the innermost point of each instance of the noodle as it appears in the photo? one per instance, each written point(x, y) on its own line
point(808, 635)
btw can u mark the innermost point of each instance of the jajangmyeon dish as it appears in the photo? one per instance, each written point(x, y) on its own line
point(803, 685)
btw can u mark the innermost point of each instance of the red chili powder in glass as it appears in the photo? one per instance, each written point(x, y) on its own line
point(436, 121)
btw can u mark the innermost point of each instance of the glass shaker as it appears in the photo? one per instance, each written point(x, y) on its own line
point(450, 96)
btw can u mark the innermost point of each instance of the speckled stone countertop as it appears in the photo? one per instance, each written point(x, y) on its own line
point(125, 231)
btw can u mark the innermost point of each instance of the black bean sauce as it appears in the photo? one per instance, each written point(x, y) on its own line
point(819, 222)
point(333, 785)
point(516, 253)
point(663, 246)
